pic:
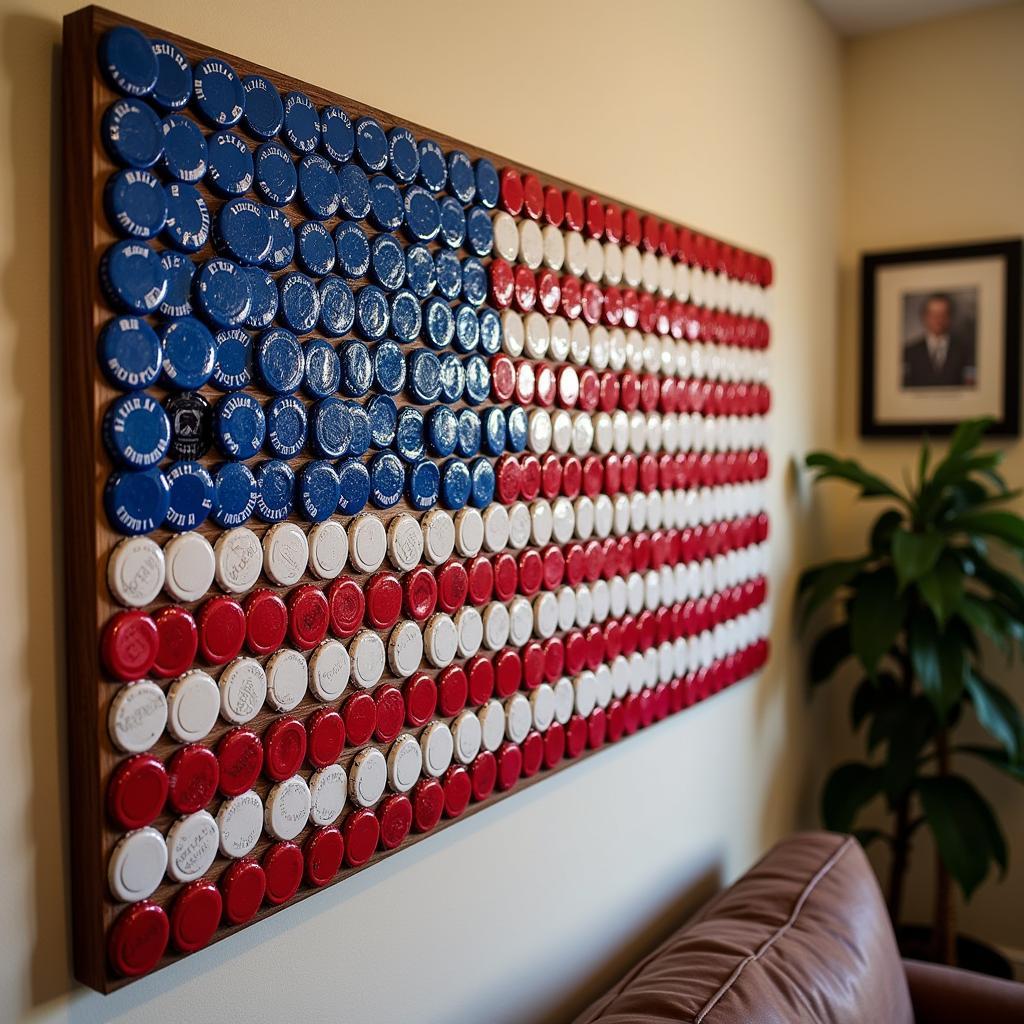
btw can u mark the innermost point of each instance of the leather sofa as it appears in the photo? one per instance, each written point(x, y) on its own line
point(804, 936)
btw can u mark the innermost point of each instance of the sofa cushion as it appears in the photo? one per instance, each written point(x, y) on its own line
point(804, 936)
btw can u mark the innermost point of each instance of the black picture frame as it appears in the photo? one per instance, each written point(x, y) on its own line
point(1010, 251)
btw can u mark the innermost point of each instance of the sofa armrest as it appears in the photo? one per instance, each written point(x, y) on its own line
point(948, 995)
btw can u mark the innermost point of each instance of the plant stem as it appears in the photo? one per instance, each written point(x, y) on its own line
point(898, 865)
point(944, 936)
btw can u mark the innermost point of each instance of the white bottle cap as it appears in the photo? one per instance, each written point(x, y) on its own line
point(584, 606)
point(575, 253)
point(616, 348)
point(469, 532)
point(243, 689)
point(492, 724)
point(603, 685)
point(604, 514)
point(285, 553)
point(538, 337)
point(190, 566)
point(649, 273)
point(506, 236)
point(440, 640)
point(531, 243)
point(620, 520)
point(192, 844)
point(405, 648)
point(329, 668)
point(601, 599)
point(579, 342)
point(545, 614)
point(620, 677)
point(367, 542)
point(558, 339)
point(566, 608)
point(652, 590)
point(520, 621)
point(586, 693)
point(327, 790)
point(618, 596)
point(554, 247)
point(561, 431)
point(565, 699)
point(239, 559)
point(637, 432)
point(366, 652)
point(405, 542)
point(538, 433)
point(468, 735)
point(438, 536)
point(137, 716)
point(637, 675)
point(328, 549)
point(470, 625)
point(496, 626)
point(595, 260)
point(563, 520)
point(367, 777)
point(666, 276)
point(137, 865)
point(496, 527)
point(600, 347)
point(193, 703)
point(541, 521)
point(287, 810)
point(438, 747)
point(519, 525)
point(542, 704)
point(287, 679)
point(518, 717)
point(635, 593)
point(582, 434)
point(240, 823)
point(405, 762)
point(632, 266)
point(583, 514)
point(612, 263)
point(135, 571)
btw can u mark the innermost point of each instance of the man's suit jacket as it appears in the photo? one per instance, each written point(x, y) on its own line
point(920, 372)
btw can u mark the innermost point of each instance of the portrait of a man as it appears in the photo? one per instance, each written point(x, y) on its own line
point(939, 349)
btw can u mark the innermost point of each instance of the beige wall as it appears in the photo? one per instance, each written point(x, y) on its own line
point(724, 115)
point(933, 153)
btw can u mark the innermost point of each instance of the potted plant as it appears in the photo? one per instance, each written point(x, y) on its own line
point(935, 596)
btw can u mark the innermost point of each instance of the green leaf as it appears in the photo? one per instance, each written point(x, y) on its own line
point(996, 757)
point(942, 587)
point(998, 714)
point(938, 660)
point(870, 695)
point(914, 727)
point(820, 582)
point(1004, 526)
point(914, 554)
point(830, 650)
point(847, 790)
point(882, 531)
point(876, 617)
point(1006, 586)
point(966, 832)
point(831, 467)
point(968, 435)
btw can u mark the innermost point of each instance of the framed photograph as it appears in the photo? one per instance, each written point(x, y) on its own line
point(941, 339)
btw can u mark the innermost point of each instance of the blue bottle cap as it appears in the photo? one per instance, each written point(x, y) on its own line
point(406, 317)
point(136, 501)
point(191, 495)
point(403, 156)
point(420, 275)
point(128, 61)
point(372, 312)
point(242, 231)
point(276, 179)
point(467, 328)
point(422, 214)
point(455, 484)
point(233, 369)
point(286, 426)
point(387, 210)
point(222, 292)
point(220, 98)
point(461, 177)
point(240, 425)
point(356, 368)
point(383, 415)
point(231, 170)
point(186, 154)
point(493, 432)
point(129, 353)
point(424, 377)
point(315, 248)
point(136, 430)
point(488, 187)
point(371, 144)
point(234, 494)
point(191, 425)
point(360, 443)
point(387, 261)
point(515, 426)
point(423, 484)
point(388, 368)
point(453, 378)
point(135, 202)
point(433, 168)
point(189, 353)
point(187, 228)
point(442, 431)
point(275, 490)
point(469, 434)
point(133, 277)
point(322, 375)
point(438, 322)
point(338, 138)
point(282, 249)
point(474, 281)
point(481, 475)
point(449, 273)
point(409, 434)
point(173, 87)
point(490, 331)
point(299, 302)
point(178, 298)
point(264, 298)
point(132, 133)
point(478, 379)
point(354, 483)
point(279, 361)
point(264, 112)
point(330, 428)
point(319, 188)
point(453, 222)
point(319, 491)
point(301, 123)
point(387, 479)
point(355, 191)
point(479, 232)
point(337, 306)
point(352, 248)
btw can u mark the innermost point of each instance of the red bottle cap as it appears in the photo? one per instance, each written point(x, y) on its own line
point(646, 707)
point(549, 291)
point(480, 673)
point(546, 385)
point(395, 816)
point(266, 622)
point(390, 713)
point(308, 616)
point(550, 476)
point(506, 576)
point(138, 939)
point(362, 830)
point(345, 598)
point(533, 664)
point(240, 756)
point(574, 564)
point(594, 212)
point(574, 215)
point(593, 553)
point(629, 390)
point(511, 191)
point(533, 196)
point(452, 691)
point(480, 574)
point(193, 775)
point(508, 672)
point(458, 789)
point(243, 886)
point(612, 474)
point(178, 641)
point(613, 222)
point(137, 791)
point(326, 737)
point(360, 715)
point(323, 852)
point(533, 753)
point(503, 377)
point(510, 765)
point(508, 478)
point(483, 775)
point(651, 233)
point(631, 227)
point(572, 476)
point(554, 567)
point(524, 288)
point(195, 915)
point(575, 652)
point(383, 600)
point(613, 306)
point(592, 304)
point(285, 746)
point(572, 297)
point(427, 804)
point(283, 865)
point(502, 283)
point(631, 713)
point(616, 721)
point(420, 593)
point(529, 480)
point(590, 389)
point(221, 624)
point(597, 724)
point(576, 736)
point(554, 744)
point(420, 699)
point(452, 586)
point(630, 472)
point(594, 637)
point(554, 206)
point(669, 244)
point(531, 571)
point(130, 644)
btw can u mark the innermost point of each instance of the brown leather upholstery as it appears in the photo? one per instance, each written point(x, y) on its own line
point(945, 995)
point(803, 937)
